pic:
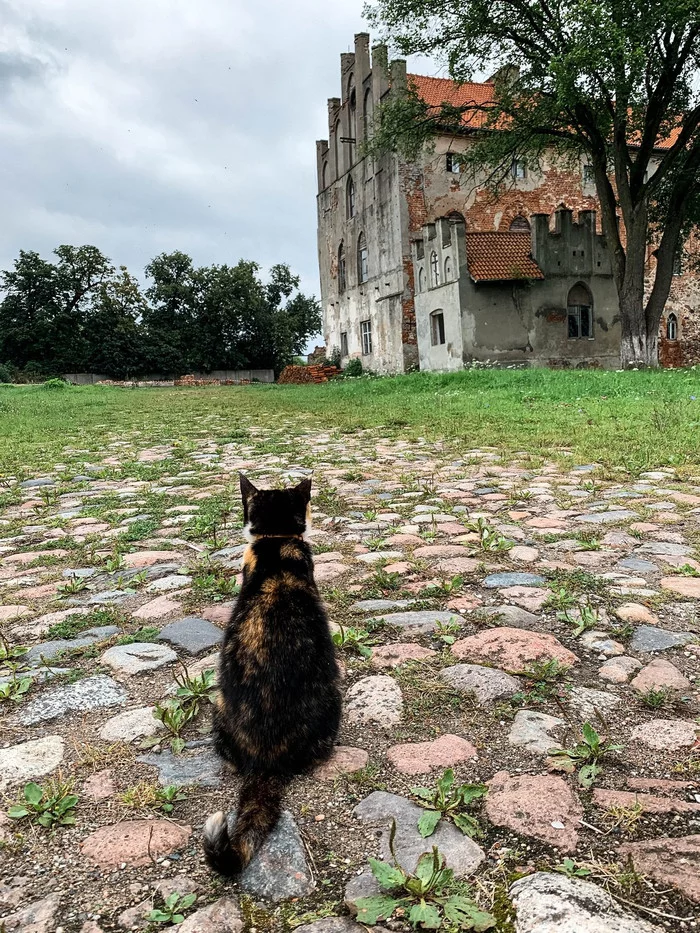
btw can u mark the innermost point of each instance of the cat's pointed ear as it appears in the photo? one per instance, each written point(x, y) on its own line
point(304, 490)
point(247, 488)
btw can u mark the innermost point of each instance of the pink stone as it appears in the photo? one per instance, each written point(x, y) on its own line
point(440, 550)
point(644, 527)
point(530, 804)
point(684, 497)
point(422, 757)
point(512, 648)
point(324, 573)
point(634, 612)
point(524, 554)
point(684, 586)
point(13, 612)
point(40, 592)
point(393, 655)
point(650, 803)
point(544, 522)
point(662, 785)
point(149, 558)
point(219, 614)
point(669, 861)
point(457, 565)
point(659, 674)
point(618, 670)
point(531, 598)
point(464, 603)
point(329, 557)
point(404, 541)
point(345, 760)
point(518, 516)
point(450, 528)
point(30, 556)
point(401, 566)
point(665, 734)
point(134, 842)
point(99, 786)
point(157, 608)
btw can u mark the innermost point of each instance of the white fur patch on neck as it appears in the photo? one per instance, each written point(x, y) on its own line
point(248, 534)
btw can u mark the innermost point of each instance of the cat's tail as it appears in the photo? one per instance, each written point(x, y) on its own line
point(259, 808)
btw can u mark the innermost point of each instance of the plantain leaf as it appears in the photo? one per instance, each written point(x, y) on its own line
point(425, 914)
point(588, 774)
point(33, 793)
point(428, 822)
point(375, 908)
point(387, 876)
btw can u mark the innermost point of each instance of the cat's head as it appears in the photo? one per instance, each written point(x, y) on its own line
point(276, 511)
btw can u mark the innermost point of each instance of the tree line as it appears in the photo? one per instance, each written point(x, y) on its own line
point(80, 313)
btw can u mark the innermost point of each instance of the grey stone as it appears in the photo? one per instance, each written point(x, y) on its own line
point(362, 885)
point(228, 552)
point(134, 724)
point(138, 657)
point(84, 479)
point(30, 760)
point(587, 702)
point(512, 616)
point(38, 917)
point(203, 767)
point(531, 731)
point(83, 696)
point(335, 925)
point(110, 596)
point(175, 581)
point(606, 518)
point(418, 622)
point(380, 605)
point(83, 573)
point(548, 902)
point(279, 869)
point(665, 548)
point(487, 683)
point(37, 483)
point(223, 916)
point(498, 580)
point(192, 635)
point(463, 855)
point(602, 643)
point(376, 699)
point(49, 649)
point(651, 638)
point(637, 564)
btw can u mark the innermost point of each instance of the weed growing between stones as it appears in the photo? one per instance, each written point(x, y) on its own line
point(489, 538)
point(572, 869)
point(49, 805)
point(586, 755)
point(625, 819)
point(430, 897)
point(545, 680)
point(582, 619)
point(655, 698)
point(447, 801)
point(172, 911)
point(145, 795)
point(354, 639)
point(178, 712)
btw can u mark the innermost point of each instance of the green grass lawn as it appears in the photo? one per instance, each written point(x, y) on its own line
point(628, 420)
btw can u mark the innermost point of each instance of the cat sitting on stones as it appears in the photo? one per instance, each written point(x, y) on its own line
point(279, 706)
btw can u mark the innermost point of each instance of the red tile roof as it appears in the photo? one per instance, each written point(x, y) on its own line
point(501, 257)
point(437, 91)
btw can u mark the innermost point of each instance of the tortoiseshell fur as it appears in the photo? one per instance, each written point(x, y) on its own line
point(279, 707)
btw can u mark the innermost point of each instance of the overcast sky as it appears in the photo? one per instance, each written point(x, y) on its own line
point(140, 126)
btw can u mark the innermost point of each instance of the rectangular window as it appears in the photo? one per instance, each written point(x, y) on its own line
point(580, 321)
point(518, 169)
point(366, 332)
point(588, 174)
point(452, 163)
point(678, 263)
point(437, 328)
point(344, 344)
point(420, 249)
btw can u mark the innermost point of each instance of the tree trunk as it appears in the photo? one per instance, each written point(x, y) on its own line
point(639, 344)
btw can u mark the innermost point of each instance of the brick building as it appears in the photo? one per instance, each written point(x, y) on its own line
point(420, 269)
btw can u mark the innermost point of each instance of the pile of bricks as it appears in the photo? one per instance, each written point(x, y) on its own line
point(298, 375)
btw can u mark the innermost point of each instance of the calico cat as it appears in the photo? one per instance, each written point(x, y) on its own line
point(279, 706)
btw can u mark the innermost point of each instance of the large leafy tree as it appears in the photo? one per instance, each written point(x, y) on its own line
point(616, 80)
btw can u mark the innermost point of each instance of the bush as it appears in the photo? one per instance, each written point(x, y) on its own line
point(353, 368)
point(6, 374)
point(334, 358)
point(54, 384)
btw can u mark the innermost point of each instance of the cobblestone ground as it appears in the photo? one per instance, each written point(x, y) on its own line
point(485, 610)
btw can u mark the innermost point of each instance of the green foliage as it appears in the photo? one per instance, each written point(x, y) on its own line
point(56, 384)
point(173, 909)
point(213, 583)
point(354, 639)
point(446, 587)
point(446, 800)
point(144, 795)
point(10, 652)
point(178, 712)
point(353, 367)
point(430, 898)
point(586, 755)
point(571, 869)
point(447, 631)
point(655, 699)
point(582, 619)
point(50, 806)
point(489, 538)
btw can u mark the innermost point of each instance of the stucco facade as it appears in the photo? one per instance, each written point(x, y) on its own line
point(372, 213)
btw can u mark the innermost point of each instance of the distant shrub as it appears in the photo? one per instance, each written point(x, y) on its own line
point(54, 384)
point(353, 368)
point(6, 374)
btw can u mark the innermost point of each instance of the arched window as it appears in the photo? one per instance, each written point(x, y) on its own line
point(336, 148)
point(579, 312)
point(448, 269)
point(421, 279)
point(324, 174)
point(434, 269)
point(519, 224)
point(342, 278)
point(367, 114)
point(351, 198)
point(362, 259)
point(672, 327)
point(437, 328)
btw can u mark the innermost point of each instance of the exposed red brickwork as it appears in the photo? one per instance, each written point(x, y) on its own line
point(411, 179)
